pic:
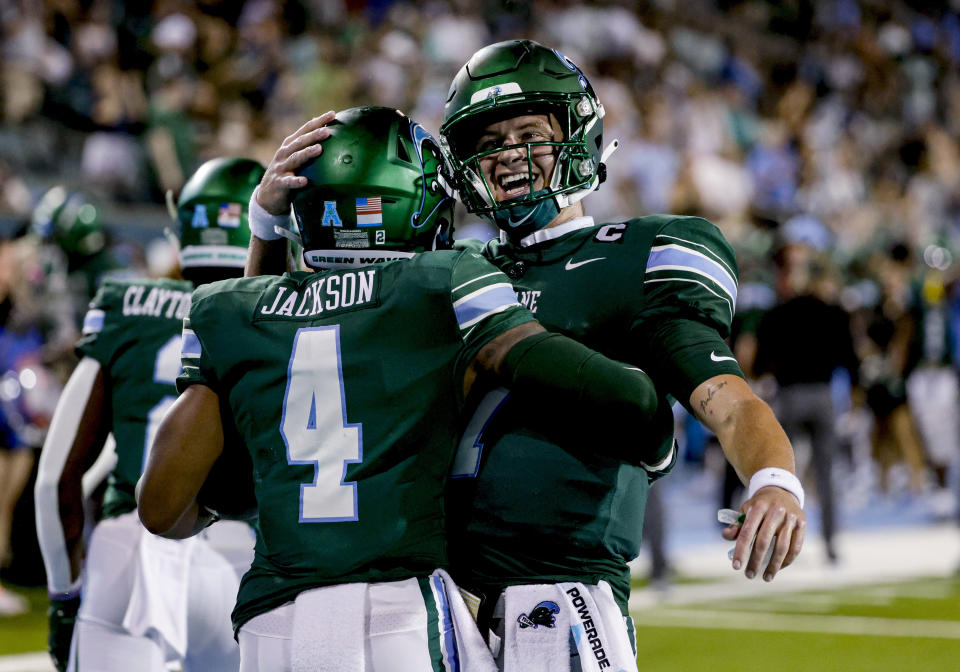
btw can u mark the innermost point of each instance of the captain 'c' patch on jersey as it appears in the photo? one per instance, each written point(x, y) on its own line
point(674, 259)
point(611, 233)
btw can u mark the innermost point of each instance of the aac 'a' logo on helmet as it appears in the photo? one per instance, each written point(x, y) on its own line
point(330, 215)
point(542, 614)
point(199, 220)
point(494, 92)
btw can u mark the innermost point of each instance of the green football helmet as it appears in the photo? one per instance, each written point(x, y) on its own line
point(212, 212)
point(69, 220)
point(510, 79)
point(377, 192)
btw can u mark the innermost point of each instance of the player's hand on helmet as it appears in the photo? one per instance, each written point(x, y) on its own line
point(62, 615)
point(773, 516)
point(299, 148)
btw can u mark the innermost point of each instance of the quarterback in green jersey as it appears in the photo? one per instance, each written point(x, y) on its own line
point(345, 387)
point(523, 131)
point(144, 599)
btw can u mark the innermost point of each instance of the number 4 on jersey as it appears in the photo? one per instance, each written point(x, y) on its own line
point(314, 426)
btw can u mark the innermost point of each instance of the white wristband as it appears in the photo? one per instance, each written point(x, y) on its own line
point(778, 477)
point(262, 222)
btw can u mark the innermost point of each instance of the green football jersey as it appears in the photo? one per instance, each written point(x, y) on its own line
point(132, 329)
point(531, 504)
point(346, 388)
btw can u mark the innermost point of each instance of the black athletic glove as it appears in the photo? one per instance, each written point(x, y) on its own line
point(62, 616)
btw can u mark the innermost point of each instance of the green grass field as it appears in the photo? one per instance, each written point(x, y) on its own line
point(22, 634)
point(881, 628)
point(901, 627)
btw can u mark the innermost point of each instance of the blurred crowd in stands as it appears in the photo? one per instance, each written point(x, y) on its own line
point(822, 137)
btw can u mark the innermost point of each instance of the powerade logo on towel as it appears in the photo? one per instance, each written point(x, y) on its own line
point(589, 628)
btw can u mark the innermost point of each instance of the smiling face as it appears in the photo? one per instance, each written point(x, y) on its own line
point(508, 173)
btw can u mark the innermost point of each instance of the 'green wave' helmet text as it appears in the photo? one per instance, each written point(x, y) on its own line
point(515, 78)
point(376, 192)
point(212, 211)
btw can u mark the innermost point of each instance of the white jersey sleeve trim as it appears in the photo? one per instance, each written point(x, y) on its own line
point(56, 449)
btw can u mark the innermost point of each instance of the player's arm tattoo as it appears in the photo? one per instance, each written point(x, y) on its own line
point(704, 403)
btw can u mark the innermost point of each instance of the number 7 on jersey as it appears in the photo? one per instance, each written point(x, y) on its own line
point(314, 426)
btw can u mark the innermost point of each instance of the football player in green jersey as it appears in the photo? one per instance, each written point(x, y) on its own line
point(523, 131)
point(144, 599)
point(345, 386)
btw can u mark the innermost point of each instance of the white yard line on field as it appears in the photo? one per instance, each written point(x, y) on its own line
point(821, 624)
point(866, 557)
point(27, 662)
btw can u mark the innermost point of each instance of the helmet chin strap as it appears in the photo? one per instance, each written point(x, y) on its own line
point(288, 234)
point(173, 239)
point(524, 218)
point(171, 205)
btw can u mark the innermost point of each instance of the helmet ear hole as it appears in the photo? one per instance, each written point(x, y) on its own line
point(402, 152)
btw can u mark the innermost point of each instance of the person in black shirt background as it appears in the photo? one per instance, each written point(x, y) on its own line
point(801, 341)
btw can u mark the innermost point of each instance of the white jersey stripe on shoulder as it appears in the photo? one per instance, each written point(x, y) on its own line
point(696, 282)
point(486, 301)
point(190, 346)
point(477, 279)
point(484, 290)
point(696, 271)
point(713, 254)
point(676, 255)
point(479, 318)
point(93, 321)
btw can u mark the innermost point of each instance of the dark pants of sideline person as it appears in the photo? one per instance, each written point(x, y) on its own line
point(806, 409)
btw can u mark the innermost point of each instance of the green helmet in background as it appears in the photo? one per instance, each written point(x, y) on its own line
point(376, 192)
point(515, 78)
point(71, 221)
point(212, 212)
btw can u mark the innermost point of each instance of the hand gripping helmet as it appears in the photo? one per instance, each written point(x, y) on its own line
point(69, 220)
point(376, 192)
point(510, 79)
point(212, 212)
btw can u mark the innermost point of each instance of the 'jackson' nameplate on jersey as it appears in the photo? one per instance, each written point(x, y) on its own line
point(320, 295)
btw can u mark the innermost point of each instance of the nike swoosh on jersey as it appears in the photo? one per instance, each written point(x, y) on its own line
point(571, 264)
point(717, 358)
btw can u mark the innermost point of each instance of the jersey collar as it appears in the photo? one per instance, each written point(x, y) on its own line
point(551, 233)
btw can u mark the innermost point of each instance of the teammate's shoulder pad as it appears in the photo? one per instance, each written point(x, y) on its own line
point(471, 244)
point(440, 258)
point(690, 224)
point(232, 286)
